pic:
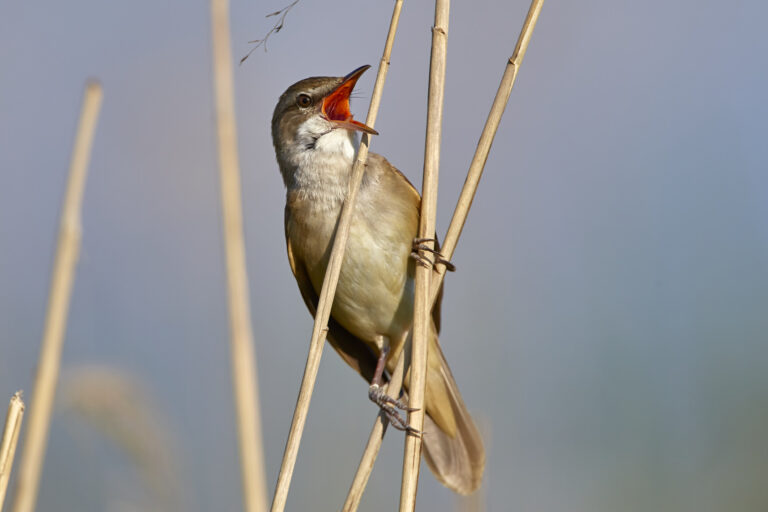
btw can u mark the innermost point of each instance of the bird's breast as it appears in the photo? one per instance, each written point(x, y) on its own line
point(374, 295)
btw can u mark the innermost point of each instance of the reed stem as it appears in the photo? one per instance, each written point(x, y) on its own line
point(422, 305)
point(454, 231)
point(375, 439)
point(484, 145)
point(323, 313)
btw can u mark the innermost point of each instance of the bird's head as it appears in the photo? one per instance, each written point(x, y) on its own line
point(313, 115)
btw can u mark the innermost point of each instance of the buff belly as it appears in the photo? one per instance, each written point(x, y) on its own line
point(374, 296)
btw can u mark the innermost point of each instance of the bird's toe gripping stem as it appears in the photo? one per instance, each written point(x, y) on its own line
point(419, 245)
point(391, 407)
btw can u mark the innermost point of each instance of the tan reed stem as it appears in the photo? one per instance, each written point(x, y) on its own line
point(365, 467)
point(8, 443)
point(323, 313)
point(62, 281)
point(422, 305)
point(484, 144)
point(476, 168)
point(244, 376)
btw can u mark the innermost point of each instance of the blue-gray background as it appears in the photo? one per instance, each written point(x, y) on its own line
point(607, 324)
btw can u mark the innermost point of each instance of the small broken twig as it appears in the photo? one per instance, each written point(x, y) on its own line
point(9, 440)
point(277, 27)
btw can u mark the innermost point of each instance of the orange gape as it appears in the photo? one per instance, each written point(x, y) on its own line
point(336, 105)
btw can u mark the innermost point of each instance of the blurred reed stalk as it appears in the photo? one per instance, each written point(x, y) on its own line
point(62, 281)
point(116, 405)
point(371, 451)
point(323, 313)
point(484, 145)
point(241, 335)
point(422, 306)
point(8, 443)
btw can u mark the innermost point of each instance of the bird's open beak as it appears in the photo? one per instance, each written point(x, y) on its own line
point(336, 104)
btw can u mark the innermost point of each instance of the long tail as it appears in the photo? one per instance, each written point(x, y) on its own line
point(453, 447)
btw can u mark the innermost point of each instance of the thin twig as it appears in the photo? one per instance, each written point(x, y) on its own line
point(245, 382)
point(8, 443)
point(277, 27)
point(328, 290)
point(484, 145)
point(365, 467)
point(422, 306)
point(62, 281)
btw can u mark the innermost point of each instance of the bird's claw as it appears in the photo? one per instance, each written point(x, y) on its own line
point(391, 408)
point(377, 395)
point(418, 246)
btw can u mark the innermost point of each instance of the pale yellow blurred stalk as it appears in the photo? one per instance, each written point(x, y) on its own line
point(8, 444)
point(422, 305)
point(253, 477)
point(62, 280)
point(484, 144)
point(323, 313)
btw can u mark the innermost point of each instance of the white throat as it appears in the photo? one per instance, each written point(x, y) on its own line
point(322, 136)
point(321, 158)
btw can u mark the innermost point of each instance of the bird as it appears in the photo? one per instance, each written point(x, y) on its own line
point(316, 138)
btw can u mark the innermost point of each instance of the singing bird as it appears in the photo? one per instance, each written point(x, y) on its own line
point(315, 139)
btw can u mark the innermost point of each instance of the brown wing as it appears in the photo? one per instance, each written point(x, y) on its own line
point(436, 309)
point(417, 198)
point(351, 348)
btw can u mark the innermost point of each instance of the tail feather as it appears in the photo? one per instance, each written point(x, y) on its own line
point(456, 458)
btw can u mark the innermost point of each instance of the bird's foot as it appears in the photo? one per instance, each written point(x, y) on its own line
point(391, 408)
point(418, 246)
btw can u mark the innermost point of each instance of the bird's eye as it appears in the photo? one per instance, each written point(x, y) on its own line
point(303, 100)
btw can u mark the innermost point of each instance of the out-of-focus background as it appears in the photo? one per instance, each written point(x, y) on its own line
point(607, 324)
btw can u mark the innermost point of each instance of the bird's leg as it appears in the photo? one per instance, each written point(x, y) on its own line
point(418, 245)
point(385, 402)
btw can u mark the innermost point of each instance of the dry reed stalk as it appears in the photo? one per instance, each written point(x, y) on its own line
point(8, 444)
point(484, 144)
point(62, 280)
point(371, 451)
point(422, 305)
point(243, 357)
point(454, 231)
point(323, 313)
